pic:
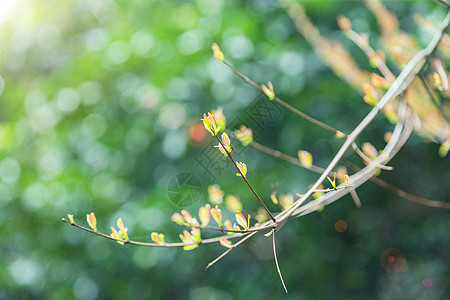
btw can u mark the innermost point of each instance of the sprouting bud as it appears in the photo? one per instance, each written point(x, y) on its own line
point(376, 58)
point(369, 99)
point(286, 200)
point(204, 213)
point(261, 215)
point(368, 89)
point(243, 168)
point(71, 218)
point(340, 134)
point(122, 229)
point(92, 221)
point(387, 136)
point(273, 197)
point(195, 223)
point(233, 203)
point(269, 233)
point(317, 195)
point(346, 179)
point(196, 233)
point(438, 81)
point(187, 238)
point(333, 182)
point(215, 194)
point(221, 120)
point(187, 216)
point(379, 81)
point(268, 90)
point(444, 148)
point(344, 23)
point(241, 220)
point(209, 121)
point(369, 150)
point(227, 143)
point(157, 238)
point(244, 135)
point(117, 235)
point(225, 242)
point(178, 218)
point(236, 227)
point(217, 215)
point(217, 53)
point(305, 158)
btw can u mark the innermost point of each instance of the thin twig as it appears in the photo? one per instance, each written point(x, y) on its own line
point(399, 192)
point(229, 250)
point(376, 180)
point(287, 106)
point(246, 181)
point(355, 197)
point(131, 242)
point(445, 3)
point(404, 79)
point(370, 52)
point(276, 261)
point(368, 160)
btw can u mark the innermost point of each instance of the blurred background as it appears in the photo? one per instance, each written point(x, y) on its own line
point(100, 110)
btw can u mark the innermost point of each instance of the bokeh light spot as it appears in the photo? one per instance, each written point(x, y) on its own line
point(118, 53)
point(197, 132)
point(141, 43)
point(190, 42)
point(67, 100)
point(172, 115)
point(427, 283)
point(393, 260)
point(340, 226)
point(149, 100)
point(9, 170)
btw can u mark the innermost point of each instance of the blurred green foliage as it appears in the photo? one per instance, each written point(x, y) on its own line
point(97, 102)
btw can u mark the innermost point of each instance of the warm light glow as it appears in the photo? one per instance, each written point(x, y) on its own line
point(197, 132)
point(340, 226)
point(393, 261)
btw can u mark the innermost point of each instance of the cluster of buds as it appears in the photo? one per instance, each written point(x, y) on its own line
point(379, 81)
point(244, 135)
point(91, 219)
point(209, 121)
point(241, 220)
point(221, 120)
point(268, 90)
point(370, 150)
point(121, 234)
point(242, 168)
point(158, 238)
point(370, 96)
point(215, 194)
